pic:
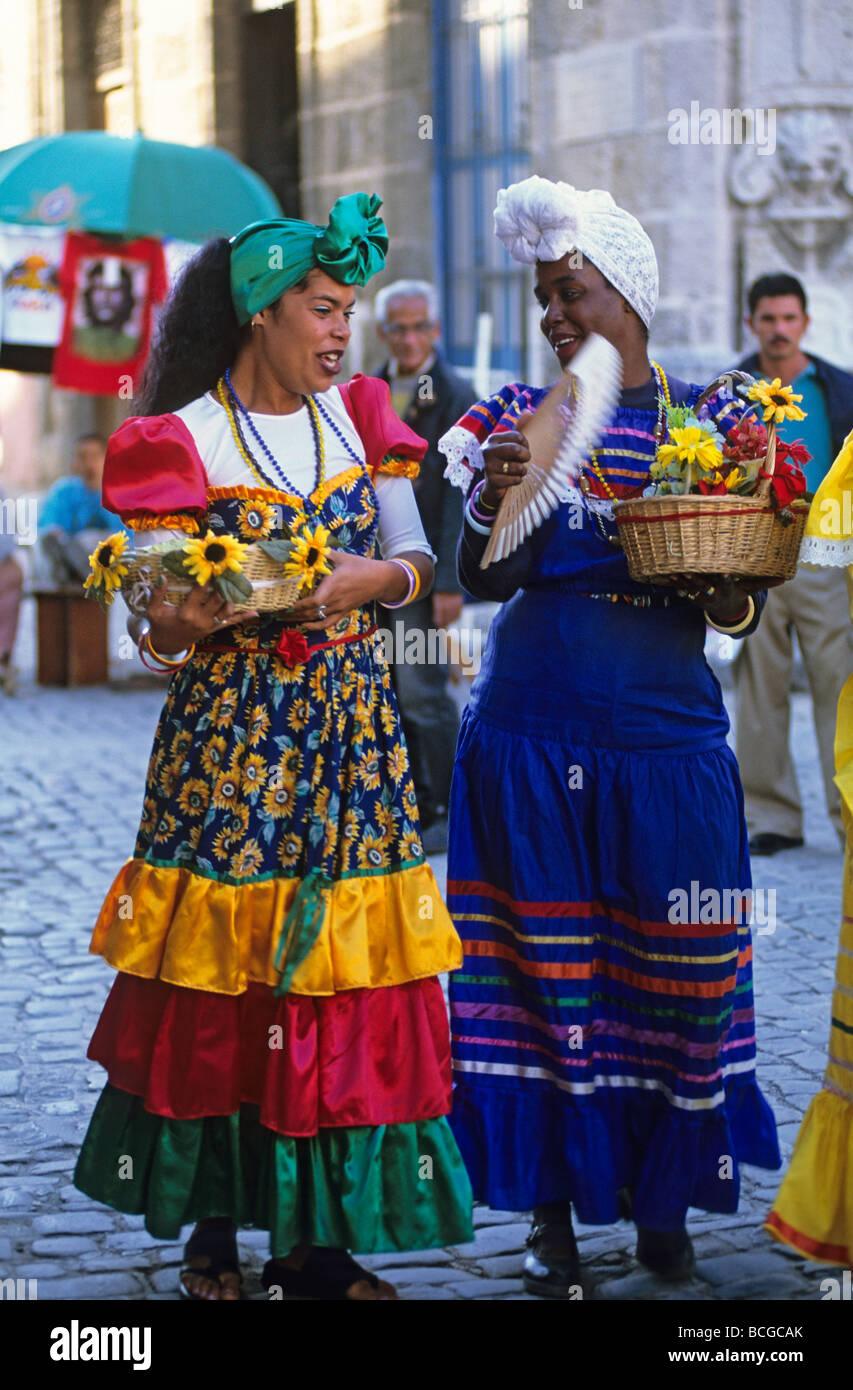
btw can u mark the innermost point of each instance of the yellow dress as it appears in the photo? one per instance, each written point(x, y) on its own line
point(813, 1211)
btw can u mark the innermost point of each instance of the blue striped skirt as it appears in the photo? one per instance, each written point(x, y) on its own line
point(603, 1024)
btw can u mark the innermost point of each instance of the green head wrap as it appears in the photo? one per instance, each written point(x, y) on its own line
point(268, 258)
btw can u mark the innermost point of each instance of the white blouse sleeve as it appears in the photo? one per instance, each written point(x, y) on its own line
point(400, 526)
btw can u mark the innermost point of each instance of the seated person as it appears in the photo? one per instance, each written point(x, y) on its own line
point(71, 518)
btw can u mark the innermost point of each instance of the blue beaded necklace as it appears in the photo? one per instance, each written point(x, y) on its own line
point(318, 447)
point(316, 427)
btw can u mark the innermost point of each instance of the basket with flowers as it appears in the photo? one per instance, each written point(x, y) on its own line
point(265, 575)
point(732, 504)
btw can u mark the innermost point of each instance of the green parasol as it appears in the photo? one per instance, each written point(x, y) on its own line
point(130, 186)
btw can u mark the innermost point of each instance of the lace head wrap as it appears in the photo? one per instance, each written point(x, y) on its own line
point(538, 220)
point(268, 258)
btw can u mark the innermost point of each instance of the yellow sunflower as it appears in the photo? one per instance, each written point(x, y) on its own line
point(196, 699)
point(225, 844)
point(224, 708)
point(166, 827)
point(371, 852)
point(259, 722)
point(387, 719)
point(289, 851)
point(317, 682)
point(279, 800)
point(300, 713)
point(105, 563)
point(211, 555)
point(689, 445)
point(330, 839)
point(247, 860)
point(254, 774)
point(368, 770)
point(410, 844)
point(397, 761)
point(736, 476)
point(255, 520)
point(310, 556)
point(149, 815)
point(194, 797)
point(777, 401)
point(226, 791)
point(213, 756)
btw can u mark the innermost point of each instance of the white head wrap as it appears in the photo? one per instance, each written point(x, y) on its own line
point(538, 220)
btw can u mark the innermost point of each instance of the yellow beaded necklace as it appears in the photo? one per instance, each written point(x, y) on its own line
point(240, 442)
point(664, 405)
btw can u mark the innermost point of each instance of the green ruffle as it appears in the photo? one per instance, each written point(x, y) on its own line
point(367, 1189)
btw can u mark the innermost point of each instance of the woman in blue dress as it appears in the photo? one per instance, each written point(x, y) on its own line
point(603, 1029)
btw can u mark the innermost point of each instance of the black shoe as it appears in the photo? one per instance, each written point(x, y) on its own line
point(667, 1253)
point(434, 838)
point(552, 1267)
point(767, 843)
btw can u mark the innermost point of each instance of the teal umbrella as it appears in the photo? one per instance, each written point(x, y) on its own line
point(131, 186)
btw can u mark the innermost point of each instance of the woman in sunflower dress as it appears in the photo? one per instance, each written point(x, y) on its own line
point(276, 1041)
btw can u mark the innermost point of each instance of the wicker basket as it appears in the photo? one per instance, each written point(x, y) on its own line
point(664, 537)
point(271, 589)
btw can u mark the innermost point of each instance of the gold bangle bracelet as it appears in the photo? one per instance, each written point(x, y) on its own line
point(165, 660)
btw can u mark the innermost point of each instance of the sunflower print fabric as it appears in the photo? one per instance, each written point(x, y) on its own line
point(260, 768)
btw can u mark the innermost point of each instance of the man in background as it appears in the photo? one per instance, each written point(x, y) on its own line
point(71, 518)
point(813, 604)
point(429, 396)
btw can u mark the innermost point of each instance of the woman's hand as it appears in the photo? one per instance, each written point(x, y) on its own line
point(723, 598)
point(203, 611)
point(355, 580)
point(506, 457)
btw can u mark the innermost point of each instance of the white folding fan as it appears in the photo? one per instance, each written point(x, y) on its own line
point(560, 435)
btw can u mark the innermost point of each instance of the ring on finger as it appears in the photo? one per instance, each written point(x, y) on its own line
point(321, 611)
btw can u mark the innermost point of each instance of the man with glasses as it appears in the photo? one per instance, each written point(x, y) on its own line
point(430, 397)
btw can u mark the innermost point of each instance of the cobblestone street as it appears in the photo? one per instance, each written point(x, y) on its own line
point(69, 805)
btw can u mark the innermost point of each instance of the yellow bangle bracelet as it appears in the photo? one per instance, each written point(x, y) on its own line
point(165, 660)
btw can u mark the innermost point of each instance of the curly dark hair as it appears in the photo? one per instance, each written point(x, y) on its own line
point(198, 335)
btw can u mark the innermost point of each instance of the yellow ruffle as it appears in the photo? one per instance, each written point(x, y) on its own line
point(400, 468)
point(155, 521)
point(813, 1212)
point(827, 506)
point(293, 499)
point(378, 930)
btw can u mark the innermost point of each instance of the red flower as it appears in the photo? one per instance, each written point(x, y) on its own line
point(292, 648)
point(747, 440)
point(788, 482)
point(711, 489)
point(796, 452)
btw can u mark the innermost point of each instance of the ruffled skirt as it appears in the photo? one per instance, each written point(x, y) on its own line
point(813, 1211)
point(276, 1041)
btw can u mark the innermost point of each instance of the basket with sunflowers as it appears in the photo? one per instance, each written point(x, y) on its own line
point(265, 575)
point(732, 504)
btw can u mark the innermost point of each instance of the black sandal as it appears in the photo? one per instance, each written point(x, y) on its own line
point(326, 1274)
point(218, 1245)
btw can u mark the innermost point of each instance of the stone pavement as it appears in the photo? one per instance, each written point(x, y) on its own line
point(74, 764)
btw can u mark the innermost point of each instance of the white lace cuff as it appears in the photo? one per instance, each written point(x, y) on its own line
point(815, 550)
point(464, 456)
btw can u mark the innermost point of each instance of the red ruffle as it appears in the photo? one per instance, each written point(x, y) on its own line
point(361, 1057)
point(153, 465)
point(368, 401)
